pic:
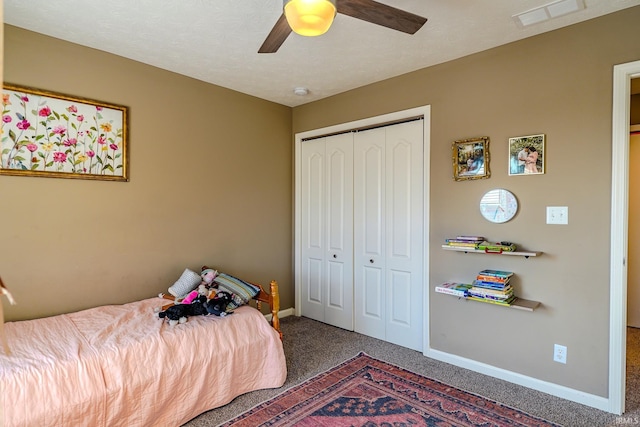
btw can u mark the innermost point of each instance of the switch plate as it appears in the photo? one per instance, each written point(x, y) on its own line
point(557, 215)
point(559, 353)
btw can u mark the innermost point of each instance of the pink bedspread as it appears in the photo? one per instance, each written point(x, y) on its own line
point(121, 365)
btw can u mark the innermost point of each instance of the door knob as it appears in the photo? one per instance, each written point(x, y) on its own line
point(371, 261)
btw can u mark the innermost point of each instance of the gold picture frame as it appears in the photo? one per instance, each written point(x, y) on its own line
point(471, 159)
point(48, 134)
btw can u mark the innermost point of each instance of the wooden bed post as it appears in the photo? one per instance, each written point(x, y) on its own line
point(275, 307)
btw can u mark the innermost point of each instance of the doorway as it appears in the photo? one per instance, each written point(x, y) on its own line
point(632, 377)
point(622, 76)
point(633, 230)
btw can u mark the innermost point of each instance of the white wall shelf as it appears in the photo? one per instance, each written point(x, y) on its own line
point(518, 303)
point(525, 254)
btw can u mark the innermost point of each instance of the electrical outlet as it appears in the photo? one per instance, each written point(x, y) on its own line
point(559, 353)
point(557, 215)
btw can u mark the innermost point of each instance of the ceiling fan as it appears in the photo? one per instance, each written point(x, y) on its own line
point(366, 10)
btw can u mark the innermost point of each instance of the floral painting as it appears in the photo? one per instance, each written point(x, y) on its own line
point(47, 134)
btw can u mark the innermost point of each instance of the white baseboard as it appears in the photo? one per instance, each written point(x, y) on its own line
point(281, 314)
point(583, 398)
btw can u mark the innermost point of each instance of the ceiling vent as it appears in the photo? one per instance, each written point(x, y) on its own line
point(548, 11)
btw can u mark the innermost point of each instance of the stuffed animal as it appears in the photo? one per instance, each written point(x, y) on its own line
point(176, 314)
point(219, 303)
point(179, 313)
point(208, 274)
point(190, 297)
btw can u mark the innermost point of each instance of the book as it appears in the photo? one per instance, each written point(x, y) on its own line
point(493, 279)
point(488, 291)
point(471, 238)
point(497, 247)
point(472, 293)
point(463, 243)
point(466, 246)
point(491, 290)
point(489, 285)
point(496, 273)
point(453, 288)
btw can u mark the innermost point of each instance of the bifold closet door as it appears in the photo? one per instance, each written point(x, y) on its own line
point(388, 233)
point(327, 230)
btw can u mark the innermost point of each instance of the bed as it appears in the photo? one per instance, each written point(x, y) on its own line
point(121, 365)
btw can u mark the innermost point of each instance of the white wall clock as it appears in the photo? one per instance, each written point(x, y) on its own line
point(498, 205)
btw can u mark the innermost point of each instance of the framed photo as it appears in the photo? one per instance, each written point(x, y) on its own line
point(471, 159)
point(53, 135)
point(526, 155)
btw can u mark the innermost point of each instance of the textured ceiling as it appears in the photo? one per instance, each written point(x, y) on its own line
point(216, 41)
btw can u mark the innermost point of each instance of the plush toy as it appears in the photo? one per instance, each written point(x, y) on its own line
point(207, 275)
point(219, 303)
point(179, 313)
point(190, 297)
point(198, 307)
point(176, 314)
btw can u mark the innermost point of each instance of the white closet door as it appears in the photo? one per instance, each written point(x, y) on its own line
point(327, 230)
point(404, 231)
point(339, 213)
point(369, 233)
point(313, 231)
point(388, 201)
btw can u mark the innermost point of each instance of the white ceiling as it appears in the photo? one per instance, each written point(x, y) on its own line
point(216, 41)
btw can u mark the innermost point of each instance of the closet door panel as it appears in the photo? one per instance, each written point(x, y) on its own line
point(339, 226)
point(314, 281)
point(370, 308)
point(369, 232)
point(404, 231)
point(313, 229)
point(399, 284)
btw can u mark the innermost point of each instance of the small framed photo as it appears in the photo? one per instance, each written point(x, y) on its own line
point(526, 155)
point(471, 159)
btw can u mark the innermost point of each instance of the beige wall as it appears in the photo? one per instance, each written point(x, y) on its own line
point(559, 84)
point(210, 182)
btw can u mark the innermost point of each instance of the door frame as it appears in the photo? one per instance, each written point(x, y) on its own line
point(398, 116)
point(622, 75)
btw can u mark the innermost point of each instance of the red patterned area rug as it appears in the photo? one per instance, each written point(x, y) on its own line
point(367, 392)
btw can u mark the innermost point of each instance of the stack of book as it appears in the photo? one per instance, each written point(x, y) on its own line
point(492, 286)
point(470, 242)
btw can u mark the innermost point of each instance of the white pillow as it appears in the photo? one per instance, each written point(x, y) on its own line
point(185, 284)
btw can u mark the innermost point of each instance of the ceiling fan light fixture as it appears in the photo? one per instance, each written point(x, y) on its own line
point(310, 17)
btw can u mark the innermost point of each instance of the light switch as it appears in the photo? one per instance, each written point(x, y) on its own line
point(557, 215)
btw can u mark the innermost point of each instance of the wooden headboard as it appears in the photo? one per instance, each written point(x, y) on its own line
point(272, 298)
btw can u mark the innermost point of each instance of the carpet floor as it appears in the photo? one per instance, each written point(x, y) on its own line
point(364, 391)
point(312, 347)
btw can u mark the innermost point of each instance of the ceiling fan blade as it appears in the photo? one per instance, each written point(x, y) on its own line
point(381, 14)
point(276, 37)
